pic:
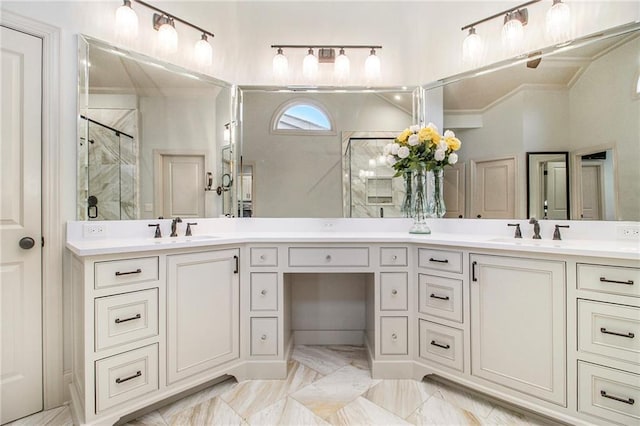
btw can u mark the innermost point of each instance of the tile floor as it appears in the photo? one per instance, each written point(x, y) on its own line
point(326, 385)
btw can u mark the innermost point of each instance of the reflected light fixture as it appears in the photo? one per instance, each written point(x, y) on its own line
point(126, 26)
point(203, 52)
point(558, 22)
point(280, 66)
point(310, 66)
point(472, 48)
point(226, 134)
point(372, 67)
point(341, 67)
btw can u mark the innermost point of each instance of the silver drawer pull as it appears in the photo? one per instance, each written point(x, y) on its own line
point(431, 259)
point(629, 401)
point(119, 380)
point(137, 271)
point(263, 292)
point(604, 280)
point(433, 296)
point(394, 336)
point(628, 335)
point(434, 343)
point(118, 320)
point(394, 291)
point(263, 337)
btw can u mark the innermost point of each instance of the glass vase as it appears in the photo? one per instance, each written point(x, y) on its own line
point(405, 208)
point(435, 202)
point(419, 202)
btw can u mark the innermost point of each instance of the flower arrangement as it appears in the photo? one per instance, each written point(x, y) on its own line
point(417, 146)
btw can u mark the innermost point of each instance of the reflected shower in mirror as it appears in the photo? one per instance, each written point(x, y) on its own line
point(151, 137)
point(548, 185)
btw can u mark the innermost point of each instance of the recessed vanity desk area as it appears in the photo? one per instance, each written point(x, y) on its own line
point(156, 317)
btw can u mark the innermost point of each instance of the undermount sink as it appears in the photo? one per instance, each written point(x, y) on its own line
point(184, 239)
point(531, 242)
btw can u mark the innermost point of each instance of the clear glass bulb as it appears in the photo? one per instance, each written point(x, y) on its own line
point(280, 67)
point(372, 68)
point(126, 26)
point(512, 35)
point(472, 48)
point(168, 38)
point(310, 67)
point(342, 67)
point(203, 52)
point(558, 22)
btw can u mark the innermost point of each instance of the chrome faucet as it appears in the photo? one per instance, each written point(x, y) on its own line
point(174, 225)
point(556, 233)
point(536, 228)
point(518, 233)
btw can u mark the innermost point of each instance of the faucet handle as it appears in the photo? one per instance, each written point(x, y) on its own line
point(188, 233)
point(157, 234)
point(556, 233)
point(518, 233)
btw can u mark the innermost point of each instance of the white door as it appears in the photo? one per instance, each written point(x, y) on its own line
point(183, 185)
point(591, 192)
point(493, 185)
point(454, 190)
point(557, 190)
point(20, 268)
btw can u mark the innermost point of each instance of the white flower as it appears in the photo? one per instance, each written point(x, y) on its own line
point(453, 158)
point(442, 145)
point(387, 149)
point(394, 148)
point(414, 128)
point(413, 140)
point(403, 152)
point(449, 134)
point(439, 155)
point(391, 160)
point(432, 127)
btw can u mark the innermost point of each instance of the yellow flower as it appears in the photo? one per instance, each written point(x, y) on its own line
point(428, 134)
point(402, 138)
point(453, 143)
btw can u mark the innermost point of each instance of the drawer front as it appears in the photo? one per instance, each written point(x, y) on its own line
point(264, 256)
point(609, 330)
point(609, 279)
point(125, 271)
point(441, 344)
point(264, 291)
point(441, 260)
point(440, 297)
point(393, 291)
point(121, 378)
point(612, 395)
point(393, 256)
point(264, 336)
point(393, 336)
point(329, 256)
point(126, 318)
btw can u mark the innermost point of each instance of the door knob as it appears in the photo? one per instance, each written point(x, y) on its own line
point(26, 243)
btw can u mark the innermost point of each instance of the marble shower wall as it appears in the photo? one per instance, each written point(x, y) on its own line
point(371, 186)
point(111, 165)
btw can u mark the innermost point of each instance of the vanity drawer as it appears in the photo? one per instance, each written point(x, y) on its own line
point(126, 271)
point(264, 256)
point(442, 260)
point(329, 256)
point(441, 344)
point(264, 291)
point(394, 336)
point(612, 395)
point(393, 256)
point(126, 318)
point(609, 279)
point(264, 336)
point(121, 378)
point(393, 291)
point(440, 297)
point(609, 330)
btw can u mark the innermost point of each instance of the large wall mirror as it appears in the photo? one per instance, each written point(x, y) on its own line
point(154, 139)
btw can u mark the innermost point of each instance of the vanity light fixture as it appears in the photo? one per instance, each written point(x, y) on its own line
point(126, 27)
point(513, 29)
point(326, 55)
point(472, 48)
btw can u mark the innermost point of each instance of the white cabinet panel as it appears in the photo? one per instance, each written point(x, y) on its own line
point(440, 297)
point(329, 256)
point(609, 279)
point(394, 336)
point(441, 260)
point(393, 256)
point(441, 344)
point(263, 256)
point(393, 291)
point(264, 336)
point(126, 271)
point(264, 291)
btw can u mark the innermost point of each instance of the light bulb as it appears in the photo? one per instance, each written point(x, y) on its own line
point(203, 52)
point(558, 22)
point(280, 67)
point(341, 67)
point(168, 37)
point(126, 26)
point(310, 66)
point(512, 33)
point(372, 67)
point(472, 48)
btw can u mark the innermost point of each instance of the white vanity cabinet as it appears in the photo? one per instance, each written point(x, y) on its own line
point(518, 324)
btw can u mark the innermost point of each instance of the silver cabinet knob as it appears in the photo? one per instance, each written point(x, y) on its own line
point(394, 257)
point(328, 258)
point(262, 258)
point(394, 291)
point(263, 337)
point(394, 337)
point(263, 292)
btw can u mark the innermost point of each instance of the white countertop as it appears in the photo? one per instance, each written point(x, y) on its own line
point(216, 232)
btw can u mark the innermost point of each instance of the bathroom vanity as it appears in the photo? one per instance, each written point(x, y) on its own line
point(551, 326)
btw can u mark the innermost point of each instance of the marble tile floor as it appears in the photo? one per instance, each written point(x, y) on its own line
point(326, 385)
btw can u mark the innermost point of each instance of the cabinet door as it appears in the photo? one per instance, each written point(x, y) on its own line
point(518, 324)
point(203, 311)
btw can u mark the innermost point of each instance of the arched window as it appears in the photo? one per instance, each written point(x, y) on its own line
point(302, 116)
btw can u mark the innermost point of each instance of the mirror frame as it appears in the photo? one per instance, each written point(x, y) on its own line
point(567, 178)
